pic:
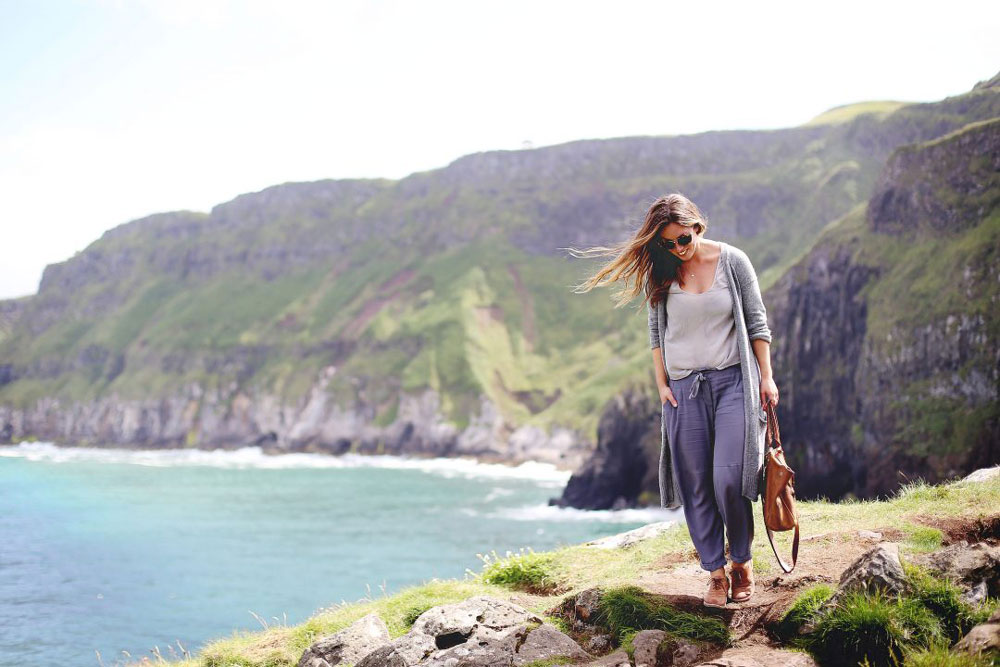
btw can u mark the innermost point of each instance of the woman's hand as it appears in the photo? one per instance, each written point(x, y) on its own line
point(667, 395)
point(768, 392)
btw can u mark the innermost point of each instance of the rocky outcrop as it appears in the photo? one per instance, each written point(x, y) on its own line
point(983, 639)
point(618, 471)
point(878, 388)
point(233, 417)
point(348, 646)
point(480, 631)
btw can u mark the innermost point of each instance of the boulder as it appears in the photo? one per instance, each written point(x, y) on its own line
point(761, 656)
point(547, 642)
point(877, 568)
point(982, 475)
point(617, 659)
point(632, 537)
point(349, 645)
point(654, 648)
point(478, 632)
point(974, 567)
point(983, 639)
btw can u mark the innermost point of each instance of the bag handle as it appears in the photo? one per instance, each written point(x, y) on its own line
point(795, 548)
point(773, 432)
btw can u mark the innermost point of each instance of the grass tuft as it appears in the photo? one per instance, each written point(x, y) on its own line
point(940, 655)
point(862, 627)
point(803, 609)
point(628, 609)
point(526, 571)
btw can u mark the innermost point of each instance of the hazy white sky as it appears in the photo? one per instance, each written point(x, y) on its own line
point(113, 110)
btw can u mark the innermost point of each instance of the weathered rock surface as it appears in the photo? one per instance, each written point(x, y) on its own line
point(632, 537)
point(983, 638)
point(478, 631)
point(879, 568)
point(761, 657)
point(971, 566)
point(619, 468)
point(349, 645)
point(656, 648)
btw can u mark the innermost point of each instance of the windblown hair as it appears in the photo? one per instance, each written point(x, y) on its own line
point(639, 261)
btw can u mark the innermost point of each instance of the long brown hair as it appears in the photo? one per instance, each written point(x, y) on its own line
point(639, 261)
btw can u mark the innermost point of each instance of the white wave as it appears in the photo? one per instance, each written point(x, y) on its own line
point(555, 513)
point(545, 474)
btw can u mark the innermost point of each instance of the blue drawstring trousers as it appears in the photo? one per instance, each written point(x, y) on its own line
point(705, 433)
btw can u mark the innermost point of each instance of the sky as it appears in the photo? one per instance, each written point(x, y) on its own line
point(113, 110)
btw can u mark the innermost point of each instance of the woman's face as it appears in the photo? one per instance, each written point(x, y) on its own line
point(673, 231)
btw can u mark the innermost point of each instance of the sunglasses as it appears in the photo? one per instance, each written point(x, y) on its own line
point(669, 244)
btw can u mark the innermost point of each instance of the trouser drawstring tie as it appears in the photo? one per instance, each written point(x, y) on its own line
point(699, 378)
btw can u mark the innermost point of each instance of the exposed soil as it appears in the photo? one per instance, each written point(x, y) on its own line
point(957, 529)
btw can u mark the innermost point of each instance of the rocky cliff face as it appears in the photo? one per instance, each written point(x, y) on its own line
point(234, 417)
point(886, 340)
point(886, 333)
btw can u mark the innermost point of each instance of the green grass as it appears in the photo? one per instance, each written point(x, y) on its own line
point(527, 571)
point(943, 598)
point(627, 609)
point(802, 609)
point(940, 655)
point(878, 628)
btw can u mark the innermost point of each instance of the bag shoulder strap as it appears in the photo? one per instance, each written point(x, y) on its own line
point(795, 548)
point(774, 442)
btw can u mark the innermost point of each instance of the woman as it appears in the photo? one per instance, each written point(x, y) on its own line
point(705, 315)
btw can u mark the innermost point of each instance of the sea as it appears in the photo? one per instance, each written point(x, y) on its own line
point(109, 555)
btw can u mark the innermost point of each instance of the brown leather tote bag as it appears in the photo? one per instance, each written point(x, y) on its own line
point(779, 490)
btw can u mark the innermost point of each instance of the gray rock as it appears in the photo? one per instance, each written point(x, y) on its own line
point(982, 475)
point(869, 535)
point(547, 642)
point(645, 644)
point(968, 565)
point(598, 643)
point(631, 537)
point(877, 568)
point(656, 647)
point(984, 639)
point(582, 608)
point(478, 632)
point(761, 657)
point(975, 595)
point(617, 659)
point(348, 645)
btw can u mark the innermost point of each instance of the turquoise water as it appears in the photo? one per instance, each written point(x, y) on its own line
point(117, 550)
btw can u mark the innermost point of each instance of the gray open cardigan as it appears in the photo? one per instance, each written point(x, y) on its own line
point(751, 323)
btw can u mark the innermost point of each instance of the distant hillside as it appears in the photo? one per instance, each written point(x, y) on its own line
point(430, 314)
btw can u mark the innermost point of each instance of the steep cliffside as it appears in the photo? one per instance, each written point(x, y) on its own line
point(886, 332)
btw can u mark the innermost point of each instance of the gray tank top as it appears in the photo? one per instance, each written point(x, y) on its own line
point(701, 331)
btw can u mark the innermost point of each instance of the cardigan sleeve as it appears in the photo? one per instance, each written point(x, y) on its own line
point(654, 330)
point(753, 304)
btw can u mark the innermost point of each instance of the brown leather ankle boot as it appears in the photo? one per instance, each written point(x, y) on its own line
point(718, 592)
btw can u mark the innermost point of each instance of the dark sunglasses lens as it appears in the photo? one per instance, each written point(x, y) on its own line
point(668, 244)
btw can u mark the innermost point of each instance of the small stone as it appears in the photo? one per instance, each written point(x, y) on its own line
point(982, 475)
point(984, 638)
